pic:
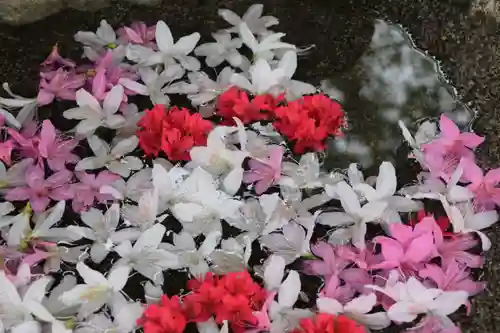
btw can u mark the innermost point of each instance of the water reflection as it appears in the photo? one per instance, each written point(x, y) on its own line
point(393, 80)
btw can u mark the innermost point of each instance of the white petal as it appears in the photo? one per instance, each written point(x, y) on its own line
point(113, 100)
point(329, 305)
point(449, 302)
point(274, 272)
point(289, 290)
point(164, 38)
point(90, 276)
point(186, 44)
point(118, 277)
point(150, 239)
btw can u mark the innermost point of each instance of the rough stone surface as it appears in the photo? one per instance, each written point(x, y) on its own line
point(464, 38)
point(17, 12)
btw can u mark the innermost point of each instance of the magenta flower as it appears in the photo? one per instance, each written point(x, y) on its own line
point(408, 249)
point(452, 249)
point(27, 145)
point(89, 189)
point(56, 151)
point(63, 85)
point(485, 187)
point(139, 33)
point(452, 277)
point(39, 191)
point(6, 151)
point(54, 61)
point(443, 155)
point(265, 173)
point(330, 265)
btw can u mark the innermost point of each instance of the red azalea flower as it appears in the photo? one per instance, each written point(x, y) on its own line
point(235, 102)
point(241, 283)
point(237, 311)
point(309, 121)
point(166, 317)
point(151, 130)
point(442, 221)
point(205, 299)
point(174, 132)
point(328, 323)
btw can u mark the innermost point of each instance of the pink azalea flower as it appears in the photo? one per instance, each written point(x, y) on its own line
point(89, 189)
point(265, 173)
point(485, 187)
point(334, 289)
point(39, 191)
point(139, 33)
point(443, 154)
point(56, 151)
point(451, 277)
point(55, 61)
point(6, 151)
point(263, 321)
point(27, 145)
point(452, 249)
point(408, 249)
point(329, 265)
point(363, 258)
point(63, 85)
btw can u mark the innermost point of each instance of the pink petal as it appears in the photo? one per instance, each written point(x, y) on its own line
point(44, 97)
point(35, 176)
point(401, 232)
point(471, 140)
point(391, 248)
point(262, 185)
point(435, 273)
point(85, 178)
point(448, 128)
point(420, 248)
point(472, 172)
point(132, 35)
point(18, 194)
point(106, 177)
point(492, 177)
point(39, 204)
point(62, 193)
point(99, 83)
point(59, 178)
point(250, 177)
point(47, 138)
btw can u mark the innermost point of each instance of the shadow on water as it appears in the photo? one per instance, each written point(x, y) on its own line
point(392, 81)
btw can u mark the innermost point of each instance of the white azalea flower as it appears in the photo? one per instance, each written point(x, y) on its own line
point(189, 256)
point(169, 53)
point(355, 215)
point(143, 215)
point(265, 79)
point(93, 115)
point(16, 312)
point(262, 216)
point(104, 37)
point(132, 116)
point(97, 290)
point(123, 319)
point(252, 18)
point(26, 106)
point(14, 176)
point(201, 205)
point(284, 317)
point(219, 160)
point(356, 309)
point(224, 49)
point(167, 184)
point(465, 220)
point(263, 49)
point(133, 188)
point(413, 298)
point(145, 257)
point(21, 232)
point(291, 243)
point(433, 188)
point(113, 157)
point(202, 90)
point(155, 85)
point(233, 255)
point(384, 191)
point(102, 231)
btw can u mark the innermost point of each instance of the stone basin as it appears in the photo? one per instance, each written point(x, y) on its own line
point(463, 36)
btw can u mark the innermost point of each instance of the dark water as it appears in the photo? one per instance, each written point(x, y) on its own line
point(392, 81)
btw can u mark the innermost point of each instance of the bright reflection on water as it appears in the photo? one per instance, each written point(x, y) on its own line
point(393, 80)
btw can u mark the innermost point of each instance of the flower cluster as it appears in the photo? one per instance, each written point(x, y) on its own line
point(222, 201)
point(173, 132)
